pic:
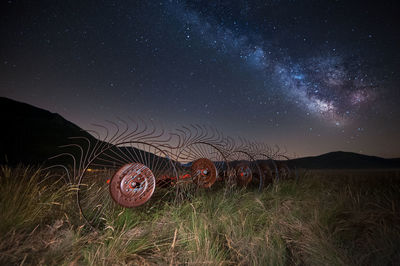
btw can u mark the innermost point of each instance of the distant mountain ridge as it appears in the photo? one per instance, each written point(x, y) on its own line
point(344, 160)
point(30, 135)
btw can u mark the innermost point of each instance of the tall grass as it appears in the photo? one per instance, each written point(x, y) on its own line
point(323, 218)
point(28, 197)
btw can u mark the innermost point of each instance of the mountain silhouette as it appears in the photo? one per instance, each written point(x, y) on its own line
point(344, 160)
point(31, 135)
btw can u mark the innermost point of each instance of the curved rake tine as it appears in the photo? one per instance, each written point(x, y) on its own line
point(189, 138)
point(98, 146)
point(103, 127)
point(144, 131)
point(149, 134)
point(121, 136)
point(179, 140)
point(111, 140)
point(80, 148)
point(133, 132)
point(57, 166)
point(83, 160)
point(66, 154)
point(182, 136)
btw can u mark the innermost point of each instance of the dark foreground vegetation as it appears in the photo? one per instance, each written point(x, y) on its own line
point(323, 218)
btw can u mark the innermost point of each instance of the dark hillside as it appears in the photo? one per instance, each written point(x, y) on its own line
point(344, 160)
point(30, 135)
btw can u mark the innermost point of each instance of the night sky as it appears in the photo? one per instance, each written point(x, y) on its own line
point(311, 76)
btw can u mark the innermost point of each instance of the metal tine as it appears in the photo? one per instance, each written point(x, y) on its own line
point(118, 155)
point(80, 148)
point(199, 133)
point(145, 136)
point(217, 134)
point(104, 141)
point(153, 136)
point(105, 128)
point(121, 158)
point(182, 135)
point(145, 132)
point(204, 132)
point(206, 136)
point(82, 160)
point(156, 138)
point(132, 132)
point(213, 138)
point(276, 150)
point(121, 136)
point(179, 140)
point(68, 181)
point(196, 135)
point(173, 151)
point(230, 145)
point(263, 151)
point(111, 140)
point(225, 145)
point(66, 154)
point(188, 138)
point(192, 134)
point(95, 146)
point(241, 145)
point(137, 131)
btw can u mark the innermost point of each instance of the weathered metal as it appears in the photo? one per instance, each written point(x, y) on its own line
point(244, 174)
point(204, 173)
point(132, 185)
point(128, 166)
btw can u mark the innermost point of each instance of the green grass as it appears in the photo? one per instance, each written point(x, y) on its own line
point(323, 218)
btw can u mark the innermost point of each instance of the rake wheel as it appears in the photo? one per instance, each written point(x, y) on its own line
point(246, 169)
point(203, 172)
point(118, 176)
point(132, 185)
point(268, 168)
point(244, 174)
point(206, 162)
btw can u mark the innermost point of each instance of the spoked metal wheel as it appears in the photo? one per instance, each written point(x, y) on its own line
point(268, 168)
point(247, 170)
point(132, 185)
point(204, 162)
point(244, 175)
point(203, 172)
point(120, 176)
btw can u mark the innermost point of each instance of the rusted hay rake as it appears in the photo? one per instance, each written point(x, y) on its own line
point(129, 166)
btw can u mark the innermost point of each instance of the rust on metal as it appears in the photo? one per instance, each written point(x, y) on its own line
point(203, 172)
point(132, 185)
point(243, 174)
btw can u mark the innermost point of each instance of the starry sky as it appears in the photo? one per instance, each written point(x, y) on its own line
point(309, 76)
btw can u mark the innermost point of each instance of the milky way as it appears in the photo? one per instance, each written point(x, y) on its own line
point(326, 86)
point(313, 76)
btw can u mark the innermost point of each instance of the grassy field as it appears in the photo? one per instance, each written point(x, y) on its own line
point(323, 218)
